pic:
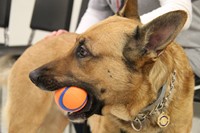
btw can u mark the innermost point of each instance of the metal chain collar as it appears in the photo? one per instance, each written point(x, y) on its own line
point(141, 117)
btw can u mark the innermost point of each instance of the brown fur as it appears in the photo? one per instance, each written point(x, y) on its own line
point(124, 66)
point(28, 108)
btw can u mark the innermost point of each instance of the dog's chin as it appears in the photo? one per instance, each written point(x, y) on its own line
point(93, 106)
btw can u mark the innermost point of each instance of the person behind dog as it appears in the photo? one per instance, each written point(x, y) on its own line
point(190, 41)
point(149, 9)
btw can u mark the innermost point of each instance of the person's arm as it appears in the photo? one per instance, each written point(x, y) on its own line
point(170, 5)
point(97, 10)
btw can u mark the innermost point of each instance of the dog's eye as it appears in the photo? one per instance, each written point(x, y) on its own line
point(82, 51)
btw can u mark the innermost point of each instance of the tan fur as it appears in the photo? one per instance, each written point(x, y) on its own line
point(126, 88)
point(27, 105)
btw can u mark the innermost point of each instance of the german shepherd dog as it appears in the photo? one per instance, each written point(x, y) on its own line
point(136, 78)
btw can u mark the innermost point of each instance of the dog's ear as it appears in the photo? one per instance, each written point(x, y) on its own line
point(156, 35)
point(162, 31)
point(130, 10)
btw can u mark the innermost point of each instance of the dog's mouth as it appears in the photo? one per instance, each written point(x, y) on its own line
point(93, 106)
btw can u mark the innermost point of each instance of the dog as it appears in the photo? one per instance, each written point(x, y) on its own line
point(136, 77)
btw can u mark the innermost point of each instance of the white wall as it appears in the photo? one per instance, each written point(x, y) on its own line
point(20, 17)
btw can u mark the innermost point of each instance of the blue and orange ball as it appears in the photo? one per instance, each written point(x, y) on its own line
point(71, 99)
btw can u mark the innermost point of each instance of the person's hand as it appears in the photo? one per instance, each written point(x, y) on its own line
point(56, 33)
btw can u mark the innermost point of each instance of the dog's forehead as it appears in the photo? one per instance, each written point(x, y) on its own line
point(114, 25)
point(110, 34)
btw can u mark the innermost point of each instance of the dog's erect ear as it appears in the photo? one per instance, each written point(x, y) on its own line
point(130, 10)
point(156, 35)
point(162, 31)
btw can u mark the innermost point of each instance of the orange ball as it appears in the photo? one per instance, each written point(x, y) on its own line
point(71, 99)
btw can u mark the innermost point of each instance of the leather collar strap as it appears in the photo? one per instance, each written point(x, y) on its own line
point(161, 96)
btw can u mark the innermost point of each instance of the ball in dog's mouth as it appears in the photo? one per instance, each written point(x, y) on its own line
point(92, 106)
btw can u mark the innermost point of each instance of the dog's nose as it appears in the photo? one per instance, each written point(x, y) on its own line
point(34, 76)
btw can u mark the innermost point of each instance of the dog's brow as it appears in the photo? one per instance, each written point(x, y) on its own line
point(82, 41)
point(89, 47)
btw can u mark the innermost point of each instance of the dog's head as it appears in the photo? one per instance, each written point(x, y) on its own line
point(113, 61)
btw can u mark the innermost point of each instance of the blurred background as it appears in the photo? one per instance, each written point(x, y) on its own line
point(21, 12)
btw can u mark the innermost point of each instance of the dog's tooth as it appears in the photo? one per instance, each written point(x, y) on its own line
point(69, 113)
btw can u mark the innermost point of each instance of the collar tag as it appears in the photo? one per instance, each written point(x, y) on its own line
point(163, 120)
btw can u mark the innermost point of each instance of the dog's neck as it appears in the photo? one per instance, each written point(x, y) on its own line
point(156, 107)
